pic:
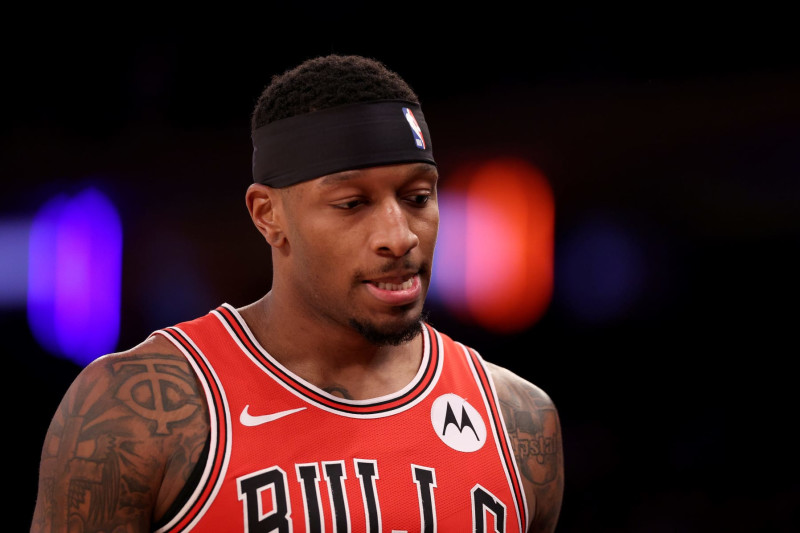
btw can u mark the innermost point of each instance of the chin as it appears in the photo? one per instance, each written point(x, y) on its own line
point(393, 334)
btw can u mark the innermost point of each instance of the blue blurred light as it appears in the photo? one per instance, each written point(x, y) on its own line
point(75, 276)
point(601, 271)
point(13, 262)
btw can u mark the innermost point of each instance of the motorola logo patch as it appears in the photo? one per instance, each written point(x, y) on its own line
point(457, 423)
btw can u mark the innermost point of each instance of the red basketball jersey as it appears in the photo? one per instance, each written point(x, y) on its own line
point(287, 456)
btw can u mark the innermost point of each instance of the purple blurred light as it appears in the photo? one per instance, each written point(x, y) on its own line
point(75, 275)
point(449, 266)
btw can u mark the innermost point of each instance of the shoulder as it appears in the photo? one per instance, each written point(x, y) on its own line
point(153, 356)
point(139, 417)
point(149, 391)
point(532, 420)
point(533, 425)
point(513, 389)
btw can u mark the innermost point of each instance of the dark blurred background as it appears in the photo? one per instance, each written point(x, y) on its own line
point(676, 127)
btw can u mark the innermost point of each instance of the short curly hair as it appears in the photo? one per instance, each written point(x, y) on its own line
point(328, 81)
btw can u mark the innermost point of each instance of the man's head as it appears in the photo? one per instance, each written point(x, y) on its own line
point(335, 113)
point(345, 194)
point(325, 82)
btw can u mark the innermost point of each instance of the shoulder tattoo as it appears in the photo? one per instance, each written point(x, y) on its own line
point(532, 423)
point(111, 436)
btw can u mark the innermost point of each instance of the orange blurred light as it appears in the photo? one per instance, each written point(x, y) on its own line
point(510, 224)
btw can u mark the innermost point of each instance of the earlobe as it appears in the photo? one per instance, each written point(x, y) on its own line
point(264, 205)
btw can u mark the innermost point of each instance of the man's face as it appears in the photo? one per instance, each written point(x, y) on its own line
point(360, 248)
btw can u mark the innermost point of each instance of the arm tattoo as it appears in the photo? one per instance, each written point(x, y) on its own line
point(533, 427)
point(104, 453)
point(157, 390)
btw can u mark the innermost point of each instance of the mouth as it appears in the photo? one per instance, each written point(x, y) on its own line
point(396, 290)
point(394, 286)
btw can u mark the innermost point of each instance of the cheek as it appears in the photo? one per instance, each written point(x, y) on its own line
point(428, 230)
point(323, 247)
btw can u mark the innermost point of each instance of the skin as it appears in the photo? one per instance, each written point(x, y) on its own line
point(119, 448)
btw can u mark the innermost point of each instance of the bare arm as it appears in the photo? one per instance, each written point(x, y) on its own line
point(532, 422)
point(121, 444)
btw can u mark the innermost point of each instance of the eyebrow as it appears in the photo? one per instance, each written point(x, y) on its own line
point(338, 177)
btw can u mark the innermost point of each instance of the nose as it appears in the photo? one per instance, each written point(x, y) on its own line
point(391, 233)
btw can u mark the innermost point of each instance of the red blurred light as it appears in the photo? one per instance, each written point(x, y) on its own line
point(510, 226)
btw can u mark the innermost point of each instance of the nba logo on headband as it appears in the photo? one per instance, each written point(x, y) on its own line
point(415, 129)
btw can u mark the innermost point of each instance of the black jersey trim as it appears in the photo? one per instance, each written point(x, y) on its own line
point(502, 439)
point(202, 493)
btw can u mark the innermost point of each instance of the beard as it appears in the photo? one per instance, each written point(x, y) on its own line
point(394, 336)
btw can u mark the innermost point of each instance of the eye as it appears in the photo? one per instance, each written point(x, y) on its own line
point(419, 199)
point(349, 204)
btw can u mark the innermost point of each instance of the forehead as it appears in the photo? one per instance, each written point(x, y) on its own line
point(386, 174)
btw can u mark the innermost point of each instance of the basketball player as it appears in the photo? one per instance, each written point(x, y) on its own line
point(329, 404)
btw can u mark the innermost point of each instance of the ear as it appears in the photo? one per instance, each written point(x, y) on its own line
point(266, 210)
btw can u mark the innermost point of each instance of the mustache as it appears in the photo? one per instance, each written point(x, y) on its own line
point(404, 264)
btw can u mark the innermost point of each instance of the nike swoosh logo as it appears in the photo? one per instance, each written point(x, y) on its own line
point(249, 420)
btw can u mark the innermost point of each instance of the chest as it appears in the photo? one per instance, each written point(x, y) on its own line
point(432, 467)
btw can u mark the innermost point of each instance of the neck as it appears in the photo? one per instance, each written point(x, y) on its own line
point(336, 359)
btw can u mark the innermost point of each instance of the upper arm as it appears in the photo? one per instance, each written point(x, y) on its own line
point(533, 425)
point(121, 442)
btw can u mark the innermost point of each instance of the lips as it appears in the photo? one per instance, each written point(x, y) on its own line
point(396, 291)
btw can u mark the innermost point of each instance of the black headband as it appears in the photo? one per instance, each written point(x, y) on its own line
point(365, 134)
